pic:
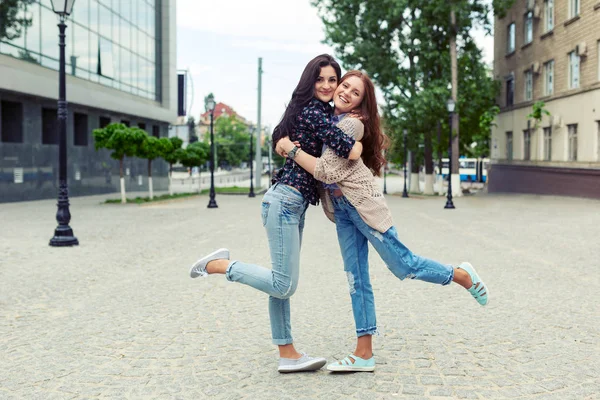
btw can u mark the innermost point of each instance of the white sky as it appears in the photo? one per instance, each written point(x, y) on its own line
point(220, 43)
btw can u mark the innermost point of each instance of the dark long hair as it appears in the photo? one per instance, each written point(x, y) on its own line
point(374, 141)
point(303, 94)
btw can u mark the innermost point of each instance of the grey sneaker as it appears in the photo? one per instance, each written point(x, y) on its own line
point(304, 363)
point(199, 267)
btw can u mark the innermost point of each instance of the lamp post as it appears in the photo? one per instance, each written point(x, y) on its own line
point(450, 104)
point(385, 177)
point(63, 234)
point(210, 107)
point(405, 137)
point(251, 194)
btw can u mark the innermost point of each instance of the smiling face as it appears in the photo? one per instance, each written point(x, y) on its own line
point(326, 84)
point(348, 95)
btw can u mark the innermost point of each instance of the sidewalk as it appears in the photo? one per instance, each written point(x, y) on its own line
point(119, 317)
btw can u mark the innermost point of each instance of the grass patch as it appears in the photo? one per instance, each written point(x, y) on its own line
point(230, 189)
point(164, 197)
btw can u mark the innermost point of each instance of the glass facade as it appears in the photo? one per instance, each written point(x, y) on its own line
point(111, 42)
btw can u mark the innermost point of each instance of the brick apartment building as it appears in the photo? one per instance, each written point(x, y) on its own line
point(548, 50)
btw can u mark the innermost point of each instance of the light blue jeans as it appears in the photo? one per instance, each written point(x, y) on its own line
point(354, 235)
point(283, 212)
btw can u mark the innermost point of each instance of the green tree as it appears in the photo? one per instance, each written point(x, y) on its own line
point(195, 155)
point(150, 149)
point(172, 155)
point(404, 46)
point(232, 140)
point(11, 23)
point(123, 141)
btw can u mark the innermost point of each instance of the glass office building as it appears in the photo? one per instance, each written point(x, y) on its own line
point(120, 64)
point(113, 43)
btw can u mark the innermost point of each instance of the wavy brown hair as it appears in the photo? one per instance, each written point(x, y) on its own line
point(374, 141)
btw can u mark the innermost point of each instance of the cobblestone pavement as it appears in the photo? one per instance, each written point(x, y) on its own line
point(119, 317)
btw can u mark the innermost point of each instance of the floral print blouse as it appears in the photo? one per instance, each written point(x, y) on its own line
point(314, 129)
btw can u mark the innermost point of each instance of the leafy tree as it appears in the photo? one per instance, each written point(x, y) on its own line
point(232, 140)
point(172, 155)
point(123, 141)
point(11, 23)
point(404, 46)
point(191, 123)
point(538, 111)
point(150, 149)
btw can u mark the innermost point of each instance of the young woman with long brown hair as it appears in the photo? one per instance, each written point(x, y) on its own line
point(351, 198)
point(307, 119)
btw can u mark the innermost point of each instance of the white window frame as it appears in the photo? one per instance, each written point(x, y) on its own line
point(548, 15)
point(549, 78)
point(598, 53)
point(528, 95)
point(510, 79)
point(509, 149)
point(598, 143)
point(527, 144)
point(572, 142)
point(574, 8)
point(528, 27)
point(510, 38)
point(574, 72)
point(548, 144)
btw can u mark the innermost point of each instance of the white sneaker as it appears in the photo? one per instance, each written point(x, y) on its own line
point(304, 363)
point(199, 267)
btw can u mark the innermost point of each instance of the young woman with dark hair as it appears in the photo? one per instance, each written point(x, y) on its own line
point(351, 198)
point(307, 119)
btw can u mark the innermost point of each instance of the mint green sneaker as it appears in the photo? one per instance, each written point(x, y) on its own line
point(478, 290)
point(353, 363)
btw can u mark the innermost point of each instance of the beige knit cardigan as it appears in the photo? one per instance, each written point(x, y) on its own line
point(355, 180)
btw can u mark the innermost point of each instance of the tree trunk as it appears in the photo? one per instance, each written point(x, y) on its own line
point(415, 187)
point(456, 191)
point(123, 198)
point(428, 163)
point(171, 179)
point(150, 179)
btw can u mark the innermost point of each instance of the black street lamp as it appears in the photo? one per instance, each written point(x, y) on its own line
point(405, 192)
point(63, 234)
point(210, 107)
point(251, 194)
point(385, 176)
point(450, 105)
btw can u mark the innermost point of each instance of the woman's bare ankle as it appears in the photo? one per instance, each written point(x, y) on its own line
point(288, 351)
point(217, 266)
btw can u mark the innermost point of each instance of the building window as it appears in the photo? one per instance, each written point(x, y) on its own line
point(548, 144)
point(510, 91)
point(528, 27)
point(11, 128)
point(528, 85)
point(549, 78)
point(125, 122)
point(598, 142)
point(142, 126)
point(49, 126)
point(573, 70)
point(598, 52)
point(572, 142)
point(156, 131)
point(548, 15)
point(527, 145)
point(510, 44)
point(104, 121)
point(80, 128)
point(573, 8)
point(509, 145)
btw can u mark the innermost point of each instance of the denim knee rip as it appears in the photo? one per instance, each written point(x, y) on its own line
point(351, 282)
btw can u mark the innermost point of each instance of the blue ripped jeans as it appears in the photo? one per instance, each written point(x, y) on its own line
point(283, 212)
point(354, 235)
